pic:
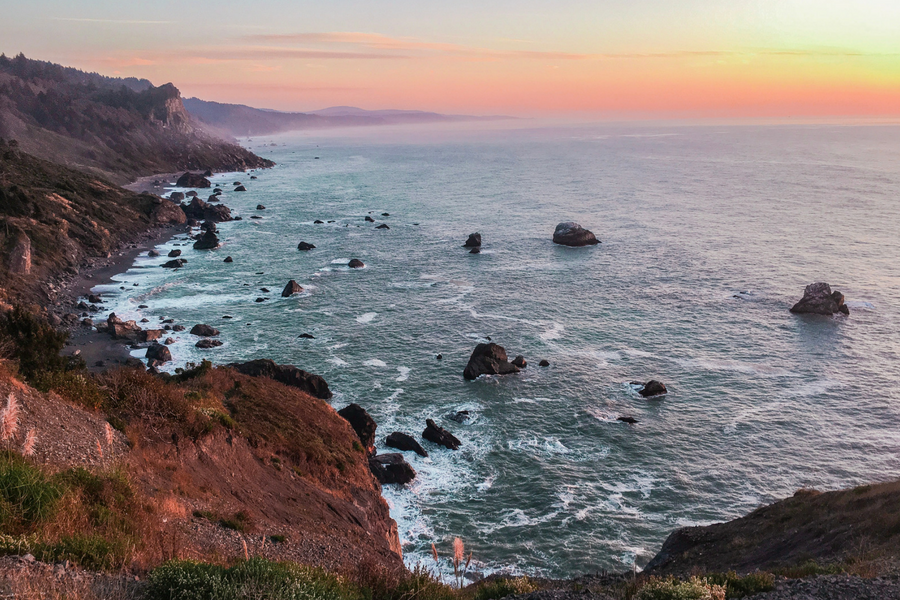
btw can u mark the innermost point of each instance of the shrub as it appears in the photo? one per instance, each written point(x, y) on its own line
point(503, 587)
point(77, 387)
point(241, 521)
point(255, 578)
point(748, 585)
point(674, 589)
point(87, 551)
point(27, 495)
point(33, 342)
point(808, 569)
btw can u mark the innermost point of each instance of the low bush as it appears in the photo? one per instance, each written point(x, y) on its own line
point(748, 585)
point(255, 578)
point(92, 552)
point(808, 569)
point(27, 495)
point(32, 342)
point(503, 587)
point(674, 589)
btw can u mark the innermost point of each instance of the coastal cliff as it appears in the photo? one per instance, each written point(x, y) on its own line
point(116, 128)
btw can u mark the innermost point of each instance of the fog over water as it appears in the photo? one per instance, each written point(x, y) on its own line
point(709, 235)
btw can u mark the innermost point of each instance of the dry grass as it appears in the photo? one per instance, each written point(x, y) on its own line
point(44, 583)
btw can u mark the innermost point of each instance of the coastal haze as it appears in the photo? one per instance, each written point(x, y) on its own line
point(709, 235)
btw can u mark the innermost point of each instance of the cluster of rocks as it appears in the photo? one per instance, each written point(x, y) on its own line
point(819, 299)
point(392, 467)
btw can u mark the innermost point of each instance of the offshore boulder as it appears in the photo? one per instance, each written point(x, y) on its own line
point(474, 241)
point(440, 436)
point(203, 211)
point(391, 468)
point(488, 359)
point(207, 241)
point(573, 234)
point(819, 299)
point(402, 441)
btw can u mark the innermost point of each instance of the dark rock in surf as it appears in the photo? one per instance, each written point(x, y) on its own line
point(460, 416)
point(318, 222)
point(290, 375)
point(383, 226)
point(385, 214)
point(192, 194)
point(369, 219)
point(203, 211)
point(260, 207)
point(176, 196)
point(169, 341)
point(440, 436)
point(158, 352)
point(305, 246)
point(207, 343)
point(153, 253)
point(178, 328)
point(207, 241)
point(95, 299)
point(474, 241)
point(475, 251)
point(629, 420)
point(174, 264)
point(291, 288)
point(520, 361)
point(818, 299)
point(307, 336)
point(402, 441)
point(193, 180)
point(207, 173)
point(174, 253)
point(573, 234)
point(356, 264)
point(544, 363)
point(488, 359)
point(651, 388)
point(228, 259)
point(391, 468)
point(240, 188)
point(204, 330)
point(363, 424)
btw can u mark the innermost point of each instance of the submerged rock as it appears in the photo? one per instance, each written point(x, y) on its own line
point(488, 359)
point(391, 468)
point(474, 241)
point(629, 420)
point(460, 416)
point(651, 388)
point(153, 253)
point(290, 375)
point(573, 234)
point(369, 219)
point(363, 424)
point(291, 288)
point(818, 299)
point(440, 436)
point(402, 441)
point(383, 226)
point(260, 207)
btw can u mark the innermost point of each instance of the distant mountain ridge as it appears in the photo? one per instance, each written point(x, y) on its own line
point(244, 121)
point(119, 128)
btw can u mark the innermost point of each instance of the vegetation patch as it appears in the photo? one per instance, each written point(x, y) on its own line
point(671, 588)
point(503, 587)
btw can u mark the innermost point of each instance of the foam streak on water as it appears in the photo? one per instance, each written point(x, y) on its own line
point(709, 235)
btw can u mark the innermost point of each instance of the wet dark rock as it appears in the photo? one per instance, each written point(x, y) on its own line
point(544, 363)
point(520, 361)
point(291, 288)
point(474, 241)
point(253, 177)
point(174, 253)
point(192, 194)
point(153, 253)
point(193, 180)
point(312, 384)
point(363, 424)
point(573, 234)
point(240, 188)
point(204, 330)
point(651, 388)
point(260, 299)
point(228, 259)
point(169, 341)
point(208, 226)
point(208, 173)
point(488, 359)
point(149, 335)
point(95, 299)
point(475, 251)
point(178, 328)
point(145, 320)
point(385, 214)
point(264, 290)
point(236, 183)
point(175, 264)
point(207, 343)
point(391, 468)
point(213, 198)
point(318, 222)
point(439, 356)
point(818, 299)
point(460, 416)
point(369, 219)
point(159, 353)
point(402, 441)
point(440, 436)
point(176, 196)
point(356, 264)
point(217, 190)
point(629, 420)
point(198, 210)
point(207, 241)
point(143, 306)
point(305, 246)
point(255, 217)
point(260, 207)
point(87, 323)
point(307, 336)
point(383, 226)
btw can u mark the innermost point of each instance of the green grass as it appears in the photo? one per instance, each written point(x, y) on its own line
point(503, 587)
point(240, 521)
point(739, 587)
point(92, 552)
point(808, 569)
point(671, 588)
point(252, 579)
point(27, 495)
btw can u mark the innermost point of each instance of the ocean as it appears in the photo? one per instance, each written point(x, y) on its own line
point(709, 235)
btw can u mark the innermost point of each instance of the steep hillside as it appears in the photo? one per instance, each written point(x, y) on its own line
point(857, 526)
point(53, 218)
point(121, 129)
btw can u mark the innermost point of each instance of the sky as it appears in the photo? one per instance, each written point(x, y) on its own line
point(603, 58)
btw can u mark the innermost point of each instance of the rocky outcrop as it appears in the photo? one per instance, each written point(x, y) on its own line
point(207, 241)
point(818, 299)
point(474, 241)
point(488, 359)
point(176, 196)
point(193, 180)
point(520, 361)
point(313, 385)
point(305, 246)
point(158, 353)
point(165, 212)
point(573, 234)
point(20, 256)
point(440, 436)
point(391, 468)
point(363, 424)
point(402, 441)
point(203, 330)
point(203, 211)
point(651, 388)
point(291, 288)
point(149, 335)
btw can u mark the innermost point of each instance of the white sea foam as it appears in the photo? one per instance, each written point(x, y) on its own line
point(374, 362)
point(366, 318)
point(340, 362)
point(404, 373)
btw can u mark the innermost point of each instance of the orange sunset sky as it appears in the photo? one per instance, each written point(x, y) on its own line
point(639, 58)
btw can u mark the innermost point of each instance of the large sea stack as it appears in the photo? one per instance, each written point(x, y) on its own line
point(818, 299)
point(488, 359)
